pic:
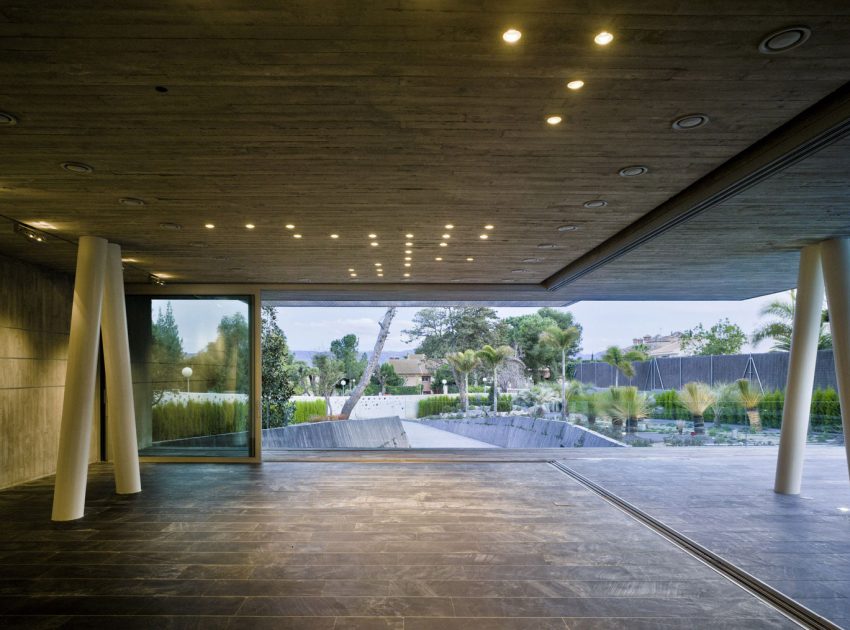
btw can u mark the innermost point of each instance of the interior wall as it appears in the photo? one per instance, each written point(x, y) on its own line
point(35, 320)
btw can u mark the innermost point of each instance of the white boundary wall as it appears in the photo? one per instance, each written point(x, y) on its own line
point(376, 406)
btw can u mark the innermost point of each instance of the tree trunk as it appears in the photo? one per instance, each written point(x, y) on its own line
point(699, 425)
point(464, 394)
point(754, 417)
point(564, 411)
point(357, 392)
point(495, 392)
point(616, 376)
point(631, 425)
point(328, 410)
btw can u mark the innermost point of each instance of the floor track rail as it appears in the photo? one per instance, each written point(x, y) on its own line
point(778, 600)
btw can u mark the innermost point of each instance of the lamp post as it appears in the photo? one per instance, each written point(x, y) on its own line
point(445, 389)
point(343, 382)
point(187, 373)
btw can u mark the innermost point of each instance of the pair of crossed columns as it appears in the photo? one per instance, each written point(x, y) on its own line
point(98, 306)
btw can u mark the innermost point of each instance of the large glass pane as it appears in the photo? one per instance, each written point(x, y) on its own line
point(192, 362)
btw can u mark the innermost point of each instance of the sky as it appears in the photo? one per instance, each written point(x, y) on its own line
point(604, 323)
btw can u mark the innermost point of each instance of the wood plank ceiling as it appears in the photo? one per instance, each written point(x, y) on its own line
point(391, 117)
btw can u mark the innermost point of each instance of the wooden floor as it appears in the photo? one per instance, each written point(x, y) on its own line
point(346, 546)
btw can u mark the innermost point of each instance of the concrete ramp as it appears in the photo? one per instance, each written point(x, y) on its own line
point(371, 433)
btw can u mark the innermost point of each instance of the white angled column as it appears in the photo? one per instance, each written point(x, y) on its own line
point(120, 411)
point(801, 372)
point(72, 464)
point(836, 272)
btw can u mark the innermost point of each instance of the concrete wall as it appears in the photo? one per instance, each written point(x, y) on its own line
point(372, 433)
point(523, 432)
point(376, 406)
point(35, 319)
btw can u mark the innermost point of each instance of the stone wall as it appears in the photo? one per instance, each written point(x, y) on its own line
point(371, 433)
point(523, 432)
point(35, 320)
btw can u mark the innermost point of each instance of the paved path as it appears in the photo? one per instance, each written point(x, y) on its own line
point(421, 436)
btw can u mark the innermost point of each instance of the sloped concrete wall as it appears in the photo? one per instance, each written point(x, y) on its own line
point(369, 433)
point(375, 406)
point(523, 432)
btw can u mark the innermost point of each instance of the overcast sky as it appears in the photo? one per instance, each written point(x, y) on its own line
point(605, 323)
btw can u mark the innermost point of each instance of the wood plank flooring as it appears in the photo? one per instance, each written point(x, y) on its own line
point(352, 546)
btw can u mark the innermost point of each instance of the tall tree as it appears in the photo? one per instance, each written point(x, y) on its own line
point(779, 328)
point(440, 331)
point(462, 363)
point(346, 350)
point(493, 359)
point(724, 337)
point(386, 376)
point(328, 372)
point(561, 340)
point(621, 360)
point(523, 333)
point(374, 359)
point(166, 353)
point(278, 375)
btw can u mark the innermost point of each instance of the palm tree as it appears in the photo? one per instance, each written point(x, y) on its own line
point(628, 405)
point(622, 360)
point(697, 398)
point(779, 330)
point(750, 397)
point(462, 363)
point(492, 359)
point(562, 339)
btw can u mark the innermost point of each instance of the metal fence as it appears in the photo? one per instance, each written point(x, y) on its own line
point(770, 368)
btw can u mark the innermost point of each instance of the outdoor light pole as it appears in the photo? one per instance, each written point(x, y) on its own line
point(187, 372)
point(343, 382)
point(445, 389)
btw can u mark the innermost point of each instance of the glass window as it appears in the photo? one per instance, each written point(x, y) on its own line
point(192, 366)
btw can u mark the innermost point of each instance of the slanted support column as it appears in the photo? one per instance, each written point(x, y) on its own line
point(69, 494)
point(836, 271)
point(119, 383)
point(801, 372)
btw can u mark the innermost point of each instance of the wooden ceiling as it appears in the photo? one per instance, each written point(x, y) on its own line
point(397, 117)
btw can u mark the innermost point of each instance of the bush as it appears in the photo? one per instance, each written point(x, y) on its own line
point(174, 420)
point(403, 390)
point(435, 405)
point(668, 406)
point(305, 410)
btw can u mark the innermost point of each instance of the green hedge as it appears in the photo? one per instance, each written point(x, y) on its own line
point(435, 405)
point(403, 390)
point(174, 420)
point(307, 409)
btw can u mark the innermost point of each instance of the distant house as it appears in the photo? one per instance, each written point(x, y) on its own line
point(660, 346)
point(413, 368)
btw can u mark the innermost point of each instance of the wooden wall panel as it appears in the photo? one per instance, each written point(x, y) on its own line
point(35, 317)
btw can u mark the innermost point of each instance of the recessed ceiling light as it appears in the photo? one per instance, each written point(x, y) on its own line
point(351, 269)
point(353, 275)
point(438, 258)
point(444, 244)
point(289, 226)
point(554, 120)
point(447, 235)
point(373, 236)
point(547, 246)
point(784, 39)
point(380, 275)
point(575, 85)
point(512, 36)
point(34, 236)
point(408, 258)
point(78, 167)
point(170, 226)
point(532, 260)
point(334, 235)
point(690, 121)
point(449, 226)
point(131, 201)
point(408, 236)
point(250, 226)
point(161, 89)
point(407, 264)
point(470, 259)
point(488, 227)
point(407, 275)
point(408, 251)
point(519, 270)
point(484, 237)
point(377, 264)
point(595, 203)
point(374, 243)
point(408, 244)
point(633, 171)
point(604, 38)
point(209, 226)
point(568, 228)
point(7, 119)
point(296, 236)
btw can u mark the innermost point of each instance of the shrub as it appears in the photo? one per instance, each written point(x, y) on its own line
point(403, 390)
point(435, 405)
point(174, 420)
point(306, 410)
point(668, 406)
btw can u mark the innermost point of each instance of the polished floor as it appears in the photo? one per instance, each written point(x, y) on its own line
point(353, 546)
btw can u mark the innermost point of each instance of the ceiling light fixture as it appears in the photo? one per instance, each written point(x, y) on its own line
point(289, 226)
point(512, 36)
point(407, 264)
point(296, 236)
point(7, 119)
point(334, 235)
point(690, 121)
point(154, 279)
point(351, 269)
point(377, 264)
point(470, 259)
point(519, 270)
point(547, 246)
point(374, 243)
point(438, 258)
point(532, 260)
point(408, 244)
point(575, 85)
point(380, 275)
point(484, 237)
point(373, 236)
point(408, 258)
point(161, 89)
point(595, 203)
point(554, 120)
point(449, 226)
point(173, 227)
point(209, 226)
point(633, 171)
point(604, 38)
point(488, 227)
point(447, 235)
point(79, 168)
point(353, 275)
point(408, 236)
point(30, 234)
point(407, 275)
point(784, 39)
point(568, 228)
point(444, 244)
point(131, 201)
point(250, 226)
